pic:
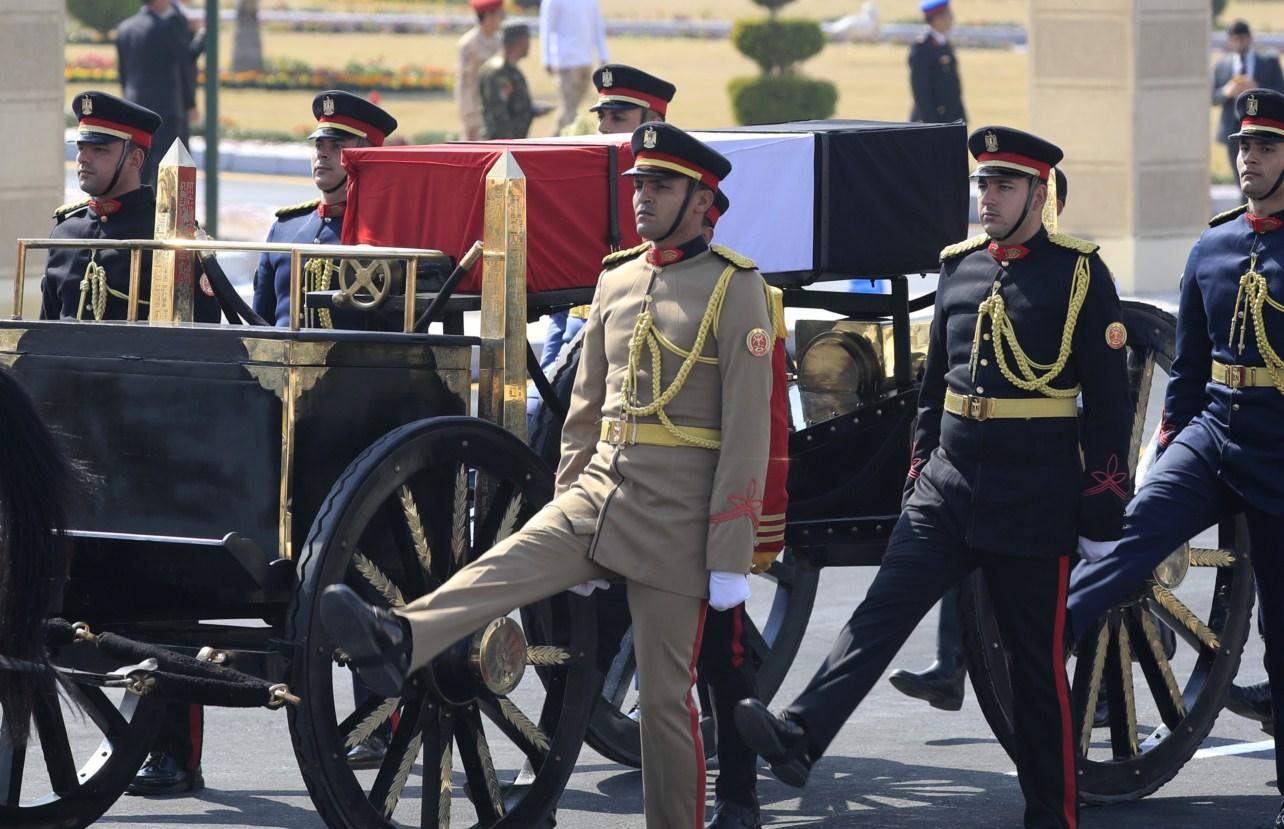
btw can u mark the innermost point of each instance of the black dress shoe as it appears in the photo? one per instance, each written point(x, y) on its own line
point(780, 740)
point(164, 775)
point(376, 641)
point(940, 686)
point(368, 754)
point(730, 815)
point(1253, 702)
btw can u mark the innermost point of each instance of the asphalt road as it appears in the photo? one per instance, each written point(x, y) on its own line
point(898, 764)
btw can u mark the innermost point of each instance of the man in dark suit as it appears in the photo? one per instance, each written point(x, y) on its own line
point(934, 71)
point(1240, 69)
point(154, 52)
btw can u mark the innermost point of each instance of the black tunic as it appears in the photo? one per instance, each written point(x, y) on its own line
point(934, 81)
point(1020, 487)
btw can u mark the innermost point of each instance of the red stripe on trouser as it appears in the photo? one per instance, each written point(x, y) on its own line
point(1070, 795)
point(196, 733)
point(738, 636)
point(695, 719)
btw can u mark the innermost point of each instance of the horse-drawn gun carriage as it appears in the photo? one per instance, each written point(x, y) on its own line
point(237, 471)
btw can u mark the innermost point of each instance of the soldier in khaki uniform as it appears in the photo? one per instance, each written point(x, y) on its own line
point(478, 45)
point(660, 491)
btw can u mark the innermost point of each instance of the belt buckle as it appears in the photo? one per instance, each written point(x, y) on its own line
point(618, 433)
point(1236, 376)
point(979, 408)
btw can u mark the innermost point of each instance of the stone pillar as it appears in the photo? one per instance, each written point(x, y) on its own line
point(1123, 87)
point(31, 176)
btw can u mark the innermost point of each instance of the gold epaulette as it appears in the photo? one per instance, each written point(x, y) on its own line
point(1224, 217)
point(61, 212)
point(579, 312)
point(738, 259)
point(966, 246)
point(1073, 243)
point(613, 259)
point(776, 305)
point(297, 209)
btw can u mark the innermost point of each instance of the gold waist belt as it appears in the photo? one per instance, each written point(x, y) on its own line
point(1241, 377)
point(628, 432)
point(991, 408)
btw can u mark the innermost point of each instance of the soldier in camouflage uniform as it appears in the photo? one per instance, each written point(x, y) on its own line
point(506, 100)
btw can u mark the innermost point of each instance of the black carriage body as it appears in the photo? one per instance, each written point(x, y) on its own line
point(210, 449)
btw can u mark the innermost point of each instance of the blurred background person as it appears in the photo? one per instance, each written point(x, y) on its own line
point(934, 69)
point(1240, 69)
point(569, 32)
point(478, 45)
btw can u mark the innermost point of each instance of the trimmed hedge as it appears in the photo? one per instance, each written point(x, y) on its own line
point(102, 15)
point(773, 99)
point(776, 45)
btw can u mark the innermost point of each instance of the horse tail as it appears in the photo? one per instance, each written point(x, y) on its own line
point(36, 484)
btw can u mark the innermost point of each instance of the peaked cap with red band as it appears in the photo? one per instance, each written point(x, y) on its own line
point(1261, 115)
point(622, 87)
point(662, 150)
point(104, 118)
point(721, 204)
point(341, 114)
point(1004, 151)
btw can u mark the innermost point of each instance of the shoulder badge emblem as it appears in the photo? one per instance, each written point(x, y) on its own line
point(86, 105)
point(649, 138)
point(1116, 335)
point(327, 106)
point(1250, 105)
point(991, 142)
point(607, 78)
point(758, 342)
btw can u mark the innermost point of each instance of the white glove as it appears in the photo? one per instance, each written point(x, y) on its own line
point(726, 590)
point(589, 586)
point(1090, 550)
point(1146, 459)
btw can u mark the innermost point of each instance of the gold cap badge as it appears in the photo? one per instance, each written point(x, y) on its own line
point(1250, 105)
point(327, 106)
point(607, 78)
point(86, 105)
point(648, 138)
point(991, 142)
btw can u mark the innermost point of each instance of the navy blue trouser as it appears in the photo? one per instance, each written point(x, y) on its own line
point(1182, 496)
point(922, 561)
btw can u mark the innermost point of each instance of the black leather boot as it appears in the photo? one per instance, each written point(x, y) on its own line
point(942, 684)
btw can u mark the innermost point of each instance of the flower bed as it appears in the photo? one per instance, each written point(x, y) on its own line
point(292, 75)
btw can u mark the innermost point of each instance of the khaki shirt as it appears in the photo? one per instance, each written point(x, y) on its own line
point(667, 516)
point(475, 48)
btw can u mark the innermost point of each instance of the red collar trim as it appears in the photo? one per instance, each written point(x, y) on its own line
point(1007, 253)
point(331, 211)
point(104, 207)
point(659, 257)
point(1263, 224)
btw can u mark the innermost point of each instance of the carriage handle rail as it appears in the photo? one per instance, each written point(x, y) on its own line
point(411, 256)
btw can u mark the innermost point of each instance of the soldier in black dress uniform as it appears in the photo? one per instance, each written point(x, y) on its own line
point(1005, 476)
point(934, 70)
point(1221, 443)
point(112, 143)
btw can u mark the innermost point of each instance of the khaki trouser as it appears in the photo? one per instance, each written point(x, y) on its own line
point(545, 558)
point(571, 84)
